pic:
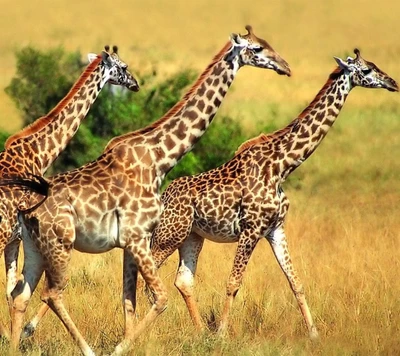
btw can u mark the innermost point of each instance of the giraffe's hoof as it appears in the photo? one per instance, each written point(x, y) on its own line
point(314, 336)
point(221, 331)
point(27, 331)
point(122, 348)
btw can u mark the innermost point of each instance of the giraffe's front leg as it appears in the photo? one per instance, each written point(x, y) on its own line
point(184, 281)
point(279, 246)
point(130, 277)
point(141, 254)
point(247, 242)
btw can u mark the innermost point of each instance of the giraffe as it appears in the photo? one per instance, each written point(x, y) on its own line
point(114, 201)
point(29, 153)
point(243, 201)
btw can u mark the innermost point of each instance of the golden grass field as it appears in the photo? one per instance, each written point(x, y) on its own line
point(343, 226)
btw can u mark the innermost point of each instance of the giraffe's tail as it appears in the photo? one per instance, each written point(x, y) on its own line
point(34, 183)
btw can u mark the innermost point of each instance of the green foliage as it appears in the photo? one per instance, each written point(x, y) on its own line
point(45, 77)
point(3, 138)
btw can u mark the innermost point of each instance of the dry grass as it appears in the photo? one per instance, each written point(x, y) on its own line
point(343, 227)
point(346, 255)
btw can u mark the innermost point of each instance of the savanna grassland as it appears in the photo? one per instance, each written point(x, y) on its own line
point(343, 226)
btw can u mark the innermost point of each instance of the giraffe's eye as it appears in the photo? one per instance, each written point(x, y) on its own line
point(257, 49)
point(1, 218)
point(366, 71)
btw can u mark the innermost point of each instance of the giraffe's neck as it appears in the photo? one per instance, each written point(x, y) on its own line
point(304, 134)
point(39, 144)
point(293, 144)
point(180, 128)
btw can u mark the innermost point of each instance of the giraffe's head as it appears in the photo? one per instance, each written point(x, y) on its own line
point(257, 52)
point(366, 74)
point(116, 71)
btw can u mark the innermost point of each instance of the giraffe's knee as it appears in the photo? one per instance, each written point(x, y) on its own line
point(45, 298)
point(19, 298)
point(50, 296)
point(232, 288)
point(161, 302)
point(184, 282)
point(298, 290)
point(20, 304)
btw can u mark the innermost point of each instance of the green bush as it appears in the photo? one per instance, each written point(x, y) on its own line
point(3, 138)
point(44, 77)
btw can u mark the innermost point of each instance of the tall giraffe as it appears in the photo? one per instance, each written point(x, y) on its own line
point(29, 153)
point(114, 202)
point(243, 201)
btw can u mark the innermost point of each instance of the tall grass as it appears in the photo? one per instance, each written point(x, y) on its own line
point(343, 225)
point(343, 232)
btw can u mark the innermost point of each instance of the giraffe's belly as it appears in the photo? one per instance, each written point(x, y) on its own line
point(98, 236)
point(222, 226)
point(225, 233)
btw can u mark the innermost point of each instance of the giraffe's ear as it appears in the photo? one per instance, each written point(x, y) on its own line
point(92, 57)
point(237, 40)
point(342, 64)
point(107, 58)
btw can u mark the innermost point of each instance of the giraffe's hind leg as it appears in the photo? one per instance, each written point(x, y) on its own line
point(56, 265)
point(11, 259)
point(52, 296)
point(56, 253)
point(280, 248)
point(188, 256)
point(30, 328)
point(20, 296)
point(11, 251)
point(247, 242)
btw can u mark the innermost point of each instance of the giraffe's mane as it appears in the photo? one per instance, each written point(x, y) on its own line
point(45, 120)
point(264, 138)
point(171, 112)
point(253, 141)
